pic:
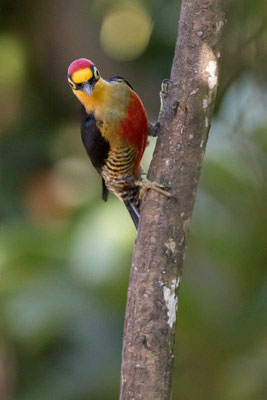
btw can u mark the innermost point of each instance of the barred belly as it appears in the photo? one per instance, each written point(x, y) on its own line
point(118, 174)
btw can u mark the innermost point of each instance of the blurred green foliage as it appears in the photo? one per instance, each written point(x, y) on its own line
point(65, 255)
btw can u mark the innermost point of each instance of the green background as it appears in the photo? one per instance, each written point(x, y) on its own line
point(65, 255)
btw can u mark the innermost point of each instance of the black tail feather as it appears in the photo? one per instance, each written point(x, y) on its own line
point(104, 191)
point(134, 212)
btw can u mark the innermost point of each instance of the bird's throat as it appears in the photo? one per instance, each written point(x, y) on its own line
point(91, 103)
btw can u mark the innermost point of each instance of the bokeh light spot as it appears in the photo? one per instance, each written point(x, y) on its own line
point(125, 33)
point(12, 66)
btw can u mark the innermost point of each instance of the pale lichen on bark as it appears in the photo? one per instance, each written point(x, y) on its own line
point(149, 330)
point(171, 299)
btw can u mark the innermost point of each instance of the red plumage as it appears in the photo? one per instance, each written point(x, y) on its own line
point(81, 63)
point(135, 128)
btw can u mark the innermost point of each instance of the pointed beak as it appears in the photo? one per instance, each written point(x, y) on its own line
point(87, 88)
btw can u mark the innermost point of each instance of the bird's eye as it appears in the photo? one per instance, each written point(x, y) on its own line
point(96, 73)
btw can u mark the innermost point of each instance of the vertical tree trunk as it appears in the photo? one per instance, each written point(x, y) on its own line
point(149, 331)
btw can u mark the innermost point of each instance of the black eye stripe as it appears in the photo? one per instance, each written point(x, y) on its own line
point(92, 81)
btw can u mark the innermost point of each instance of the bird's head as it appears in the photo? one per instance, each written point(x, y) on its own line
point(83, 76)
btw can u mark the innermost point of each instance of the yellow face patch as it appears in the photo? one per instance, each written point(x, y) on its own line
point(82, 75)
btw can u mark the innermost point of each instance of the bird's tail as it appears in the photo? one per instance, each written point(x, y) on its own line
point(133, 211)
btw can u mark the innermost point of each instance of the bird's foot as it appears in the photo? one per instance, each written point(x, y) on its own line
point(165, 85)
point(153, 129)
point(145, 185)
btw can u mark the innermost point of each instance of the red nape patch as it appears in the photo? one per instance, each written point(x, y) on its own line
point(81, 63)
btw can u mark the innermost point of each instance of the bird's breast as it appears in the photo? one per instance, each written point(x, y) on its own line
point(111, 112)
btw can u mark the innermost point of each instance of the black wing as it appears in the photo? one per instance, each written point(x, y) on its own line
point(119, 78)
point(96, 145)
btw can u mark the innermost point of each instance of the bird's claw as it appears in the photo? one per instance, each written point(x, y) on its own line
point(145, 185)
point(164, 95)
point(165, 86)
point(153, 129)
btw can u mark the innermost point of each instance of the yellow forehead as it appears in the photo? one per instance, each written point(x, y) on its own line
point(82, 75)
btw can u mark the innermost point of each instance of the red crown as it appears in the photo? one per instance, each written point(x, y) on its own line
point(81, 63)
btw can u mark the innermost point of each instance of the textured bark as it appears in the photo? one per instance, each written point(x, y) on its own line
point(149, 331)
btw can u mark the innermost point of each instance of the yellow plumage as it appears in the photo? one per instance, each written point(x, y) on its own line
point(109, 103)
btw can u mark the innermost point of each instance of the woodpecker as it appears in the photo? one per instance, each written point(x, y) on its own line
point(114, 129)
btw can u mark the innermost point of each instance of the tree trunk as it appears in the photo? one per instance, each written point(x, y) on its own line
point(149, 331)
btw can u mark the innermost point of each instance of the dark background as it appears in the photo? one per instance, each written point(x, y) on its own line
point(65, 255)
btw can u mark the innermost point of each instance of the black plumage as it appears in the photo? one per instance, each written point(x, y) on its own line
point(96, 145)
point(119, 78)
point(133, 211)
point(104, 191)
